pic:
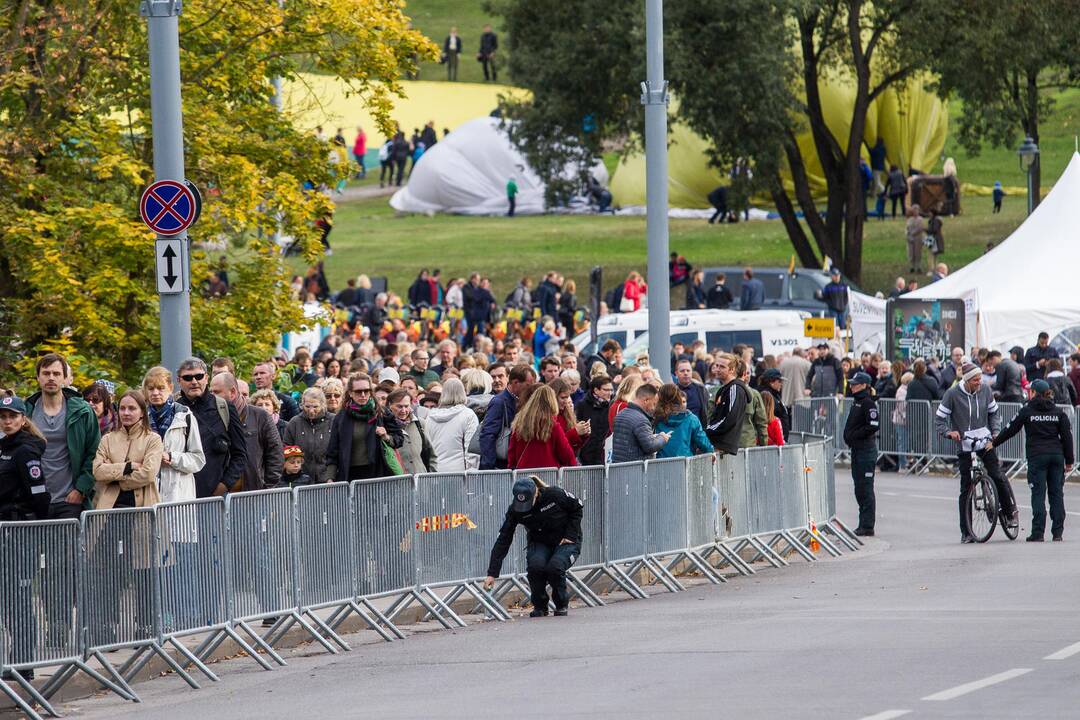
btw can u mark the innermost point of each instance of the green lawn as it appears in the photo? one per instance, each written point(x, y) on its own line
point(369, 238)
point(435, 18)
point(1058, 138)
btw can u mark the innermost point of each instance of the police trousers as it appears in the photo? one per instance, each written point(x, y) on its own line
point(863, 464)
point(548, 565)
point(1046, 474)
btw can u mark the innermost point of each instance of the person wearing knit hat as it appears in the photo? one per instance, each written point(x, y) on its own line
point(1049, 450)
point(968, 415)
point(293, 473)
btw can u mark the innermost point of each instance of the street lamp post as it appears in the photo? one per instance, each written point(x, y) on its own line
point(1029, 163)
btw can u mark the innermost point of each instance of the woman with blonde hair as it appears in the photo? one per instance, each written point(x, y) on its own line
point(536, 438)
point(334, 390)
point(576, 432)
point(310, 431)
point(182, 452)
point(624, 396)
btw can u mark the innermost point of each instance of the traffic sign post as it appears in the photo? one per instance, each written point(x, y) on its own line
point(172, 206)
point(819, 328)
point(170, 257)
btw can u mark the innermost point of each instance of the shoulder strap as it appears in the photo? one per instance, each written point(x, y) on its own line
point(187, 430)
point(223, 411)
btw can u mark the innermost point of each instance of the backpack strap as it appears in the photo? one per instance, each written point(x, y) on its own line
point(223, 411)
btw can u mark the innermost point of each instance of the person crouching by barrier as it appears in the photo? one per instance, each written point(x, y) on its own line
point(1049, 457)
point(552, 517)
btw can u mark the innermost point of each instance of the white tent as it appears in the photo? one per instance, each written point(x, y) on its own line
point(1028, 283)
point(466, 173)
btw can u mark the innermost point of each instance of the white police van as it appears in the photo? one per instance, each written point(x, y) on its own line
point(769, 332)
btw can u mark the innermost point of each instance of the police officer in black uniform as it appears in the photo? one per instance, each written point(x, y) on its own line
point(552, 517)
point(1049, 456)
point(863, 423)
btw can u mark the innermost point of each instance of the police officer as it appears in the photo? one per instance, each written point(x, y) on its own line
point(552, 517)
point(1049, 457)
point(862, 425)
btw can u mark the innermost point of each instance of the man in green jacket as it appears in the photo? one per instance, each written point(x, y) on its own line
point(755, 427)
point(71, 438)
point(423, 375)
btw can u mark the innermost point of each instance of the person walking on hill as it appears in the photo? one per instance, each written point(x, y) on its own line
point(489, 44)
point(452, 48)
point(916, 236)
point(511, 195)
point(896, 188)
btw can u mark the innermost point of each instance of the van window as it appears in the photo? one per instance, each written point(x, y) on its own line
point(803, 287)
point(686, 338)
point(617, 335)
point(726, 339)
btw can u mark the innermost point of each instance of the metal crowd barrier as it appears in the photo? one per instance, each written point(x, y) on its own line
point(249, 567)
point(908, 434)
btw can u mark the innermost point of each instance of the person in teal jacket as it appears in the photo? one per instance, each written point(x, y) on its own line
point(687, 436)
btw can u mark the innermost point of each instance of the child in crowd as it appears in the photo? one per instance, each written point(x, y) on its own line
point(294, 474)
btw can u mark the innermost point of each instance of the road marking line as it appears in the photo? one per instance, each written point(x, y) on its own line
point(971, 687)
point(887, 715)
point(932, 497)
point(1065, 652)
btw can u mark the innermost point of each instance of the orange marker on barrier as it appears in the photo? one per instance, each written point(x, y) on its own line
point(815, 546)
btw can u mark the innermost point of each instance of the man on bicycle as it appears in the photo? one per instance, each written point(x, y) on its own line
point(968, 415)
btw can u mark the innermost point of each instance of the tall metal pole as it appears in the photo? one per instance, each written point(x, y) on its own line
point(168, 136)
point(1031, 186)
point(654, 98)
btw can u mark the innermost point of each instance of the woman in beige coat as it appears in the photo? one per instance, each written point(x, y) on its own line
point(128, 459)
point(126, 470)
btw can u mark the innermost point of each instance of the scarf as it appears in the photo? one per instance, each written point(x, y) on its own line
point(363, 412)
point(161, 417)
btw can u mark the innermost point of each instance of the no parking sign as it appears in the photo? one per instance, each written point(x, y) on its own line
point(169, 207)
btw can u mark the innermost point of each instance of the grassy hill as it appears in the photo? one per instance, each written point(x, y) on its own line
point(435, 18)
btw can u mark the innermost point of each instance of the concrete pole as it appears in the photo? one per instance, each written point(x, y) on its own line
point(654, 98)
point(168, 137)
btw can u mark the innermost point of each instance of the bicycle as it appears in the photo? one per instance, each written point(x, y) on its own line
point(984, 511)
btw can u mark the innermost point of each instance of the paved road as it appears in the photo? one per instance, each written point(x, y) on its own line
point(915, 626)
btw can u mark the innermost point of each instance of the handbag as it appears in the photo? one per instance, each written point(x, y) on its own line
point(626, 304)
point(502, 443)
point(393, 460)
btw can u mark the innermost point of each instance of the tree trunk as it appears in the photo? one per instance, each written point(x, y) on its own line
point(855, 206)
point(806, 199)
point(799, 241)
point(1033, 131)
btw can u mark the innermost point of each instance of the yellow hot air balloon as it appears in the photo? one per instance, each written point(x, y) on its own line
point(911, 120)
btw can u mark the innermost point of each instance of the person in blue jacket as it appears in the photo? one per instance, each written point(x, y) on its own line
point(687, 435)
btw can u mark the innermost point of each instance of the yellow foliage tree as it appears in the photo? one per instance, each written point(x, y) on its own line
point(76, 265)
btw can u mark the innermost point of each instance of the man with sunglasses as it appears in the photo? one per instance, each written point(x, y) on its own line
point(220, 429)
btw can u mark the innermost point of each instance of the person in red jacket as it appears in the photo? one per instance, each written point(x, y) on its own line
point(623, 397)
point(536, 439)
point(773, 428)
point(576, 432)
point(633, 290)
point(359, 149)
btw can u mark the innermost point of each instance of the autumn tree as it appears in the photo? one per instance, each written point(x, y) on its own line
point(76, 265)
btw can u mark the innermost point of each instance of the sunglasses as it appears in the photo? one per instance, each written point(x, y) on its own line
point(330, 395)
point(193, 378)
point(362, 391)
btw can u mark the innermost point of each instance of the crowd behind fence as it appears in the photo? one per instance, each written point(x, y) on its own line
point(252, 565)
point(907, 431)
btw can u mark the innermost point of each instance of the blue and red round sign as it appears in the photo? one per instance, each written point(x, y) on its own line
point(168, 207)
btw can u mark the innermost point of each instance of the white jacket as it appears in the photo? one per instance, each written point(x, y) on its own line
point(176, 481)
point(450, 429)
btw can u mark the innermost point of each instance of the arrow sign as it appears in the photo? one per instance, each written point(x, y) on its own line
point(170, 261)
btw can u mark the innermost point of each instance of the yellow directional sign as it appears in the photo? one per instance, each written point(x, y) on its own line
point(819, 327)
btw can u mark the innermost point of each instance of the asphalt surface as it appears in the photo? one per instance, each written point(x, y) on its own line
point(915, 625)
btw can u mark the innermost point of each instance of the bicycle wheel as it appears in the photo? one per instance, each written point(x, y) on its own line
point(982, 509)
point(1011, 529)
